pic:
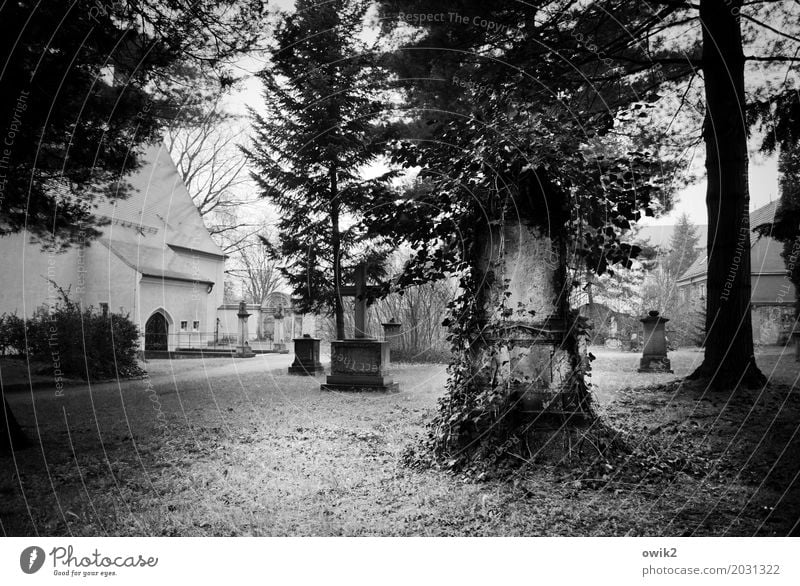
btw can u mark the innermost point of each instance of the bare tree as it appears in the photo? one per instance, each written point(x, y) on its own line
point(256, 270)
point(205, 148)
point(421, 310)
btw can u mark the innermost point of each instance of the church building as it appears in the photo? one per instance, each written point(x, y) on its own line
point(154, 260)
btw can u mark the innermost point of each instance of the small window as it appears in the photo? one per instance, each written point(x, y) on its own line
point(195, 326)
point(184, 325)
point(104, 308)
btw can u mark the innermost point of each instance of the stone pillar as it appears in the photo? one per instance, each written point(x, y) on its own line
point(243, 349)
point(278, 344)
point(654, 355)
point(306, 357)
point(391, 333)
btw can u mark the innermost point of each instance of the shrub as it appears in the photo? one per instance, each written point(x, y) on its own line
point(12, 335)
point(431, 355)
point(75, 342)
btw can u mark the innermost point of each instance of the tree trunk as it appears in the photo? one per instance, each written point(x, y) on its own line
point(729, 357)
point(11, 436)
point(336, 245)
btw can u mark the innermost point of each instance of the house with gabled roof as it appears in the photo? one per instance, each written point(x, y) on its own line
point(154, 260)
point(772, 297)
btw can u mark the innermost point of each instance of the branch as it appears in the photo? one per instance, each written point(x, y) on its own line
point(774, 58)
point(693, 61)
point(678, 4)
point(768, 27)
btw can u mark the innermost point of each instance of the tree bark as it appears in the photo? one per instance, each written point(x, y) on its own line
point(336, 246)
point(11, 436)
point(729, 358)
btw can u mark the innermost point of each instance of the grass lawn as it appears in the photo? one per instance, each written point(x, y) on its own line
point(237, 447)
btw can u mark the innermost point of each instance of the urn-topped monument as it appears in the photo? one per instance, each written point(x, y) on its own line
point(243, 350)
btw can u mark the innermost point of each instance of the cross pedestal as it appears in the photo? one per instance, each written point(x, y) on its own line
point(359, 364)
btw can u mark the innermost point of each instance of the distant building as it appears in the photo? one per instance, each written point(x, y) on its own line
point(772, 293)
point(154, 260)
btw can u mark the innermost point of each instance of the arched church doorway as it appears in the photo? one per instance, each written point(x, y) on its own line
point(155, 333)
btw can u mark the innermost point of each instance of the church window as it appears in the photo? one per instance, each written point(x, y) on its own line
point(195, 326)
point(184, 325)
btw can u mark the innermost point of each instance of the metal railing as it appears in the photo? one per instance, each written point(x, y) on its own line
point(201, 340)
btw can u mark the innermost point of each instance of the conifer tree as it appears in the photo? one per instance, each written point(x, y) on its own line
point(314, 143)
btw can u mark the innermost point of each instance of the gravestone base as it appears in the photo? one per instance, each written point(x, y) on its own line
point(306, 357)
point(359, 365)
point(360, 384)
point(655, 364)
point(244, 351)
point(306, 370)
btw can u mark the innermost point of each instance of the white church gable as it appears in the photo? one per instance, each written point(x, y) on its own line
point(154, 256)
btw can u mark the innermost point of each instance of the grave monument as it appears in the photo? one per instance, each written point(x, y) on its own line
point(391, 333)
point(654, 355)
point(277, 332)
point(243, 350)
point(359, 363)
point(306, 357)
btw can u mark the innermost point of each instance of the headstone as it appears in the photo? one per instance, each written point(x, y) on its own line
point(634, 342)
point(306, 357)
point(277, 334)
point(654, 354)
point(796, 338)
point(359, 364)
point(243, 350)
point(391, 333)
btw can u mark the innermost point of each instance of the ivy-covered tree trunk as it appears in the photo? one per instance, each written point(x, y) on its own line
point(11, 436)
point(517, 380)
point(729, 357)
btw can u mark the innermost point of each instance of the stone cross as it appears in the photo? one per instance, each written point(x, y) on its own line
point(359, 291)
